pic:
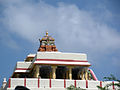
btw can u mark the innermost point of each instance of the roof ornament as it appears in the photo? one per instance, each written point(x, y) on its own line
point(47, 43)
point(46, 33)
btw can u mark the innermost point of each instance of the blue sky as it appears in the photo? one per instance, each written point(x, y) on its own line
point(82, 26)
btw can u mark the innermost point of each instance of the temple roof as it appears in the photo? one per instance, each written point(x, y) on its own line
point(53, 58)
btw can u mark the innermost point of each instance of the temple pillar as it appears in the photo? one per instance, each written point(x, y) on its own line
point(78, 75)
point(17, 75)
point(54, 72)
point(86, 74)
point(82, 75)
point(36, 75)
point(50, 75)
point(70, 72)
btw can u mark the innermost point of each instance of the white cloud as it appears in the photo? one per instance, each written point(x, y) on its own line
point(7, 40)
point(75, 28)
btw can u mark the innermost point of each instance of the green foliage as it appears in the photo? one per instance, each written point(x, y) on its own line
point(111, 78)
point(101, 88)
point(90, 75)
point(105, 87)
point(72, 87)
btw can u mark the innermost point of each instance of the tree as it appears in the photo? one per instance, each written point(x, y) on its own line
point(111, 78)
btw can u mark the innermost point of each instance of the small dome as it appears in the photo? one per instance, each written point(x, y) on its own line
point(47, 38)
point(47, 43)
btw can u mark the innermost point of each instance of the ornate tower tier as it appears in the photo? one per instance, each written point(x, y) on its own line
point(47, 43)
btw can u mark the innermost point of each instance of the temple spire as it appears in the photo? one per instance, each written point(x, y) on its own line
point(47, 43)
point(47, 33)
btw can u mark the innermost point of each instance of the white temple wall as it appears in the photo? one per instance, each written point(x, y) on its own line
point(44, 83)
point(16, 82)
point(31, 82)
point(58, 83)
point(92, 84)
point(35, 83)
point(23, 64)
point(69, 82)
point(59, 55)
point(81, 83)
point(23, 67)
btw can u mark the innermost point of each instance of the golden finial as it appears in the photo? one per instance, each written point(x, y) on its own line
point(46, 33)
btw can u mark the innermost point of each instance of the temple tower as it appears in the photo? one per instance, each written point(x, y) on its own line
point(47, 43)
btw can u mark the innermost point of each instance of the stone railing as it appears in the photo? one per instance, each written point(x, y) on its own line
point(56, 83)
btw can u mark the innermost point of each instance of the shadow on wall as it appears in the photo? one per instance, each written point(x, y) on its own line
point(21, 88)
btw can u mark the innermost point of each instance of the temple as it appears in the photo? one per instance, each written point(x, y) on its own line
point(48, 62)
point(49, 69)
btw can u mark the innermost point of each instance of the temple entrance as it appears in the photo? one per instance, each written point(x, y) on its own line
point(45, 71)
point(60, 72)
point(75, 73)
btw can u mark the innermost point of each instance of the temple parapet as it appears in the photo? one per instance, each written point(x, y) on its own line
point(61, 55)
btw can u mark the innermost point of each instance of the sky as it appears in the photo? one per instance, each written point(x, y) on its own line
point(78, 26)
